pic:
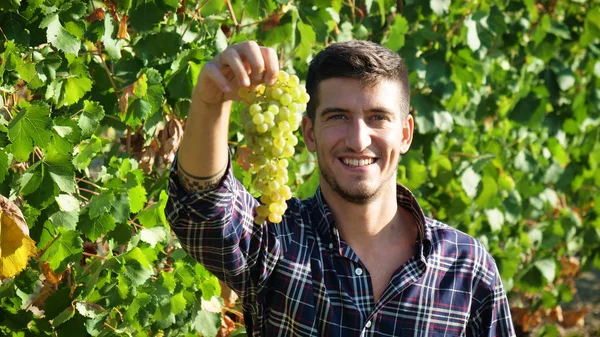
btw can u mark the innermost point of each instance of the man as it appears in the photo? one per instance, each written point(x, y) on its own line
point(357, 259)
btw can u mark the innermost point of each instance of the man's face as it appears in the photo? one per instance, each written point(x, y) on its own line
point(359, 134)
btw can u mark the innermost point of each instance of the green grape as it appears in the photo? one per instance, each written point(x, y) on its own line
point(304, 98)
point(254, 109)
point(279, 142)
point(276, 93)
point(277, 151)
point(262, 210)
point(293, 81)
point(288, 151)
point(283, 163)
point(269, 117)
point(272, 117)
point(258, 118)
point(284, 126)
point(274, 208)
point(262, 128)
point(284, 113)
point(275, 218)
point(274, 109)
point(292, 140)
point(286, 99)
point(283, 77)
point(295, 93)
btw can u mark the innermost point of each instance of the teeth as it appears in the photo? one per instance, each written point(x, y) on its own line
point(358, 162)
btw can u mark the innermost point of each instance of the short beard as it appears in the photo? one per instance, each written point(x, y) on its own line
point(360, 198)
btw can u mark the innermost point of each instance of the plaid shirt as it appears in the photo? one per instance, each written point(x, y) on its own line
point(299, 278)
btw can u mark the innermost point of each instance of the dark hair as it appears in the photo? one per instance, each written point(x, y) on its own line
point(362, 60)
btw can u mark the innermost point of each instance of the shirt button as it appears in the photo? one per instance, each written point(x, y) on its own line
point(368, 325)
point(331, 246)
point(358, 271)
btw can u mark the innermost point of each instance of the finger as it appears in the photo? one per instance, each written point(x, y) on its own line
point(252, 54)
point(230, 57)
point(271, 65)
point(215, 74)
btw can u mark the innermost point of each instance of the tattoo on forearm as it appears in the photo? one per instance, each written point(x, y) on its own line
point(196, 184)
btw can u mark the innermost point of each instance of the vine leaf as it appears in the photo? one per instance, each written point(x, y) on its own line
point(65, 248)
point(59, 36)
point(30, 128)
point(16, 247)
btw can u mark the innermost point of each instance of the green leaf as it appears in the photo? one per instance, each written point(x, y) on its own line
point(137, 111)
point(28, 280)
point(137, 198)
point(138, 269)
point(67, 203)
point(396, 40)
point(308, 38)
point(439, 7)
point(547, 267)
point(558, 152)
point(140, 87)
point(5, 161)
point(469, 181)
point(31, 179)
point(112, 45)
point(68, 90)
point(93, 228)
point(443, 121)
point(220, 41)
point(566, 79)
point(64, 219)
point(86, 152)
point(489, 189)
point(59, 36)
point(66, 248)
point(184, 73)
point(155, 214)
point(257, 9)
point(178, 303)
point(64, 316)
point(62, 174)
point(121, 208)
point(140, 301)
point(472, 35)
point(153, 235)
point(482, 161)
point(207, 323)
point(90, 118)
point(31, 127)
point(100, 204)
point(495, 218)
point(146, 15)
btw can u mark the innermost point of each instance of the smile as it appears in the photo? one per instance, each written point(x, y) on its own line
point(358, 162)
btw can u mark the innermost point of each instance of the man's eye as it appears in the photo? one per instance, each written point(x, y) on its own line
point(335, 117)
point(379, 117)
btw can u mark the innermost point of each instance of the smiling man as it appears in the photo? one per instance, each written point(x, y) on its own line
point(357, 259)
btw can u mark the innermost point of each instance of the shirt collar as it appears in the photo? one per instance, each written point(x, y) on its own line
point(329, 233)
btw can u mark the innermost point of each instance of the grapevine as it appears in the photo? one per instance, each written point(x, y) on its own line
point(272, 116)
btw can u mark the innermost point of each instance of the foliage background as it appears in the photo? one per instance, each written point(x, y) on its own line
point(506, 96)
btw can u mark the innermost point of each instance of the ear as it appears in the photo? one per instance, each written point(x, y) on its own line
point(408, 127)
point(308, 133)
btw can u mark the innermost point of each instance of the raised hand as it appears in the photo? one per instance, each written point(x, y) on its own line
point(240, 65)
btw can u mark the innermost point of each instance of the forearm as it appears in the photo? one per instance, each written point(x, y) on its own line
point(203, 154)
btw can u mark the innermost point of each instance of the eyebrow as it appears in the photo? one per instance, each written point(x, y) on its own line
point(377, 109)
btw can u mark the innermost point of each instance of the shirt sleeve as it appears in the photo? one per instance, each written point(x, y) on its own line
point(490, 311)
point(217, 228)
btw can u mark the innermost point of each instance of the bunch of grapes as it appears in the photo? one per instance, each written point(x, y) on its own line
point(272, 116)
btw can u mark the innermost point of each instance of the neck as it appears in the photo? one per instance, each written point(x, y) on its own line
point(366, 224)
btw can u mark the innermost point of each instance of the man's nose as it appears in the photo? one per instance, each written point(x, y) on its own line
point(358, 137)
